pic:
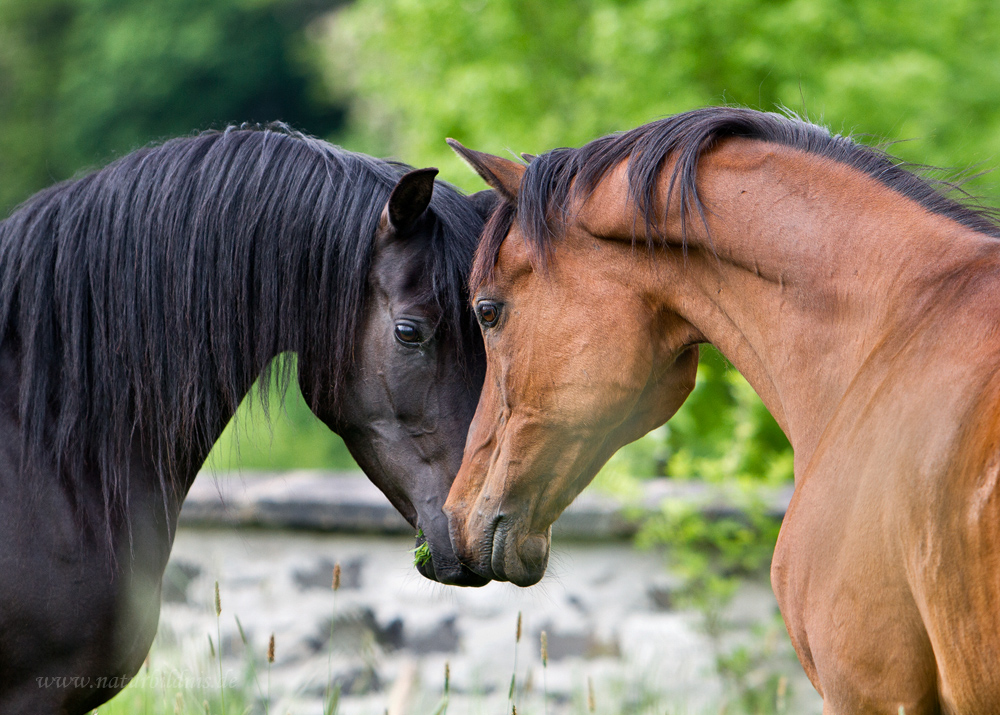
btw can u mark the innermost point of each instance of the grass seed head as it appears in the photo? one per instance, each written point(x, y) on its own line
point(517, 638)
point(270, 650)
point(545, 649)
point(218, 601)
point(336, 576)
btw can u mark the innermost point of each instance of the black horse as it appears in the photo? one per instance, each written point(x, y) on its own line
point(138, 304)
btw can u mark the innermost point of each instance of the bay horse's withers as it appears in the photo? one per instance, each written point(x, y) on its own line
point(138, 305)
point(862, 305)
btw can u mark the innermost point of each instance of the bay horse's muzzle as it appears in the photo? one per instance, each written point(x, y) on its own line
point(497, 548)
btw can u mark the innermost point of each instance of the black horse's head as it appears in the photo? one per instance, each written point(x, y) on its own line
point(405, 405)
point(206, 258)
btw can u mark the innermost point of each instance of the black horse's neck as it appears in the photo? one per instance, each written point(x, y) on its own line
point(144, 299)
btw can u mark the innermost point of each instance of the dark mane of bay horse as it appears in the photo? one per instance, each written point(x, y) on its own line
point(143, 298)
point(551, 178)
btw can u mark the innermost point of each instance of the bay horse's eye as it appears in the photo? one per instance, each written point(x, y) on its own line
point(407, 333)
point(488, 313)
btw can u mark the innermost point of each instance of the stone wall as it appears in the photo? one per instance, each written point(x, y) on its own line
point(608, 610)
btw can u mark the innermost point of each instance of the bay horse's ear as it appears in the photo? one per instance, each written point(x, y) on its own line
point(409, 198)
point(502, 174)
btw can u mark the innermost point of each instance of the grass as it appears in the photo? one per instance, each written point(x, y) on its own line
point(163, 689)
point(421, 554)
point(167, 691)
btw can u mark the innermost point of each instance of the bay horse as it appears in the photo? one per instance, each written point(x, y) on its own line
point(139, 303)
point(860, 302)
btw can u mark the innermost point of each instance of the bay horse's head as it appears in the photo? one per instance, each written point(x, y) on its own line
point(417, 367)
point(580, 361)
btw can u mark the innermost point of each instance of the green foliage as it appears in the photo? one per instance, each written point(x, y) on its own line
point(288, 437)
point(751, 674)
point(713, 554)
point(530, 76)
point(167, 691)
point(723, 432)
point(84, 81)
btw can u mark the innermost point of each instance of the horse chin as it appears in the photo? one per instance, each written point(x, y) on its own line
point(519, 558)
point(451, 574)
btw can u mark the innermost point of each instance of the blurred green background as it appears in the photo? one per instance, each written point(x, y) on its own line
point(85, 81)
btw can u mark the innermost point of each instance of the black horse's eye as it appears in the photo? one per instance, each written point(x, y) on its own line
point(488, 313)
point(407, 333)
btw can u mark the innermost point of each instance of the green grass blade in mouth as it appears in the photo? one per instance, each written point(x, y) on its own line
point(421, 554)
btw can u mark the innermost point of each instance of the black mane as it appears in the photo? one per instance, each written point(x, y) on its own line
point(552, 177)
point(144, 298)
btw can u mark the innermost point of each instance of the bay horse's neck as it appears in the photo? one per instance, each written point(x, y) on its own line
point(812, 273)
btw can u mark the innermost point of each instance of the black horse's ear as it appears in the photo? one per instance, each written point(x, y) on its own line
point(528, 157)
point(409, 199)
point(484, 202)
point(502, 174)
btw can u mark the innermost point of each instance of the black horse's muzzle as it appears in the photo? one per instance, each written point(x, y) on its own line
point(435, 559)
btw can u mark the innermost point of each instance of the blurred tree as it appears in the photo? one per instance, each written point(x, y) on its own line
point(85, 81)
point(291, 437)
point(530, 76)
point(524, 75)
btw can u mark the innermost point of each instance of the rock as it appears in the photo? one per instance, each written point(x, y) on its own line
point(358, 681)
point(321, 576)
point(579, 644)
point(597, 605)
point(443, 638)
point(358, 630)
